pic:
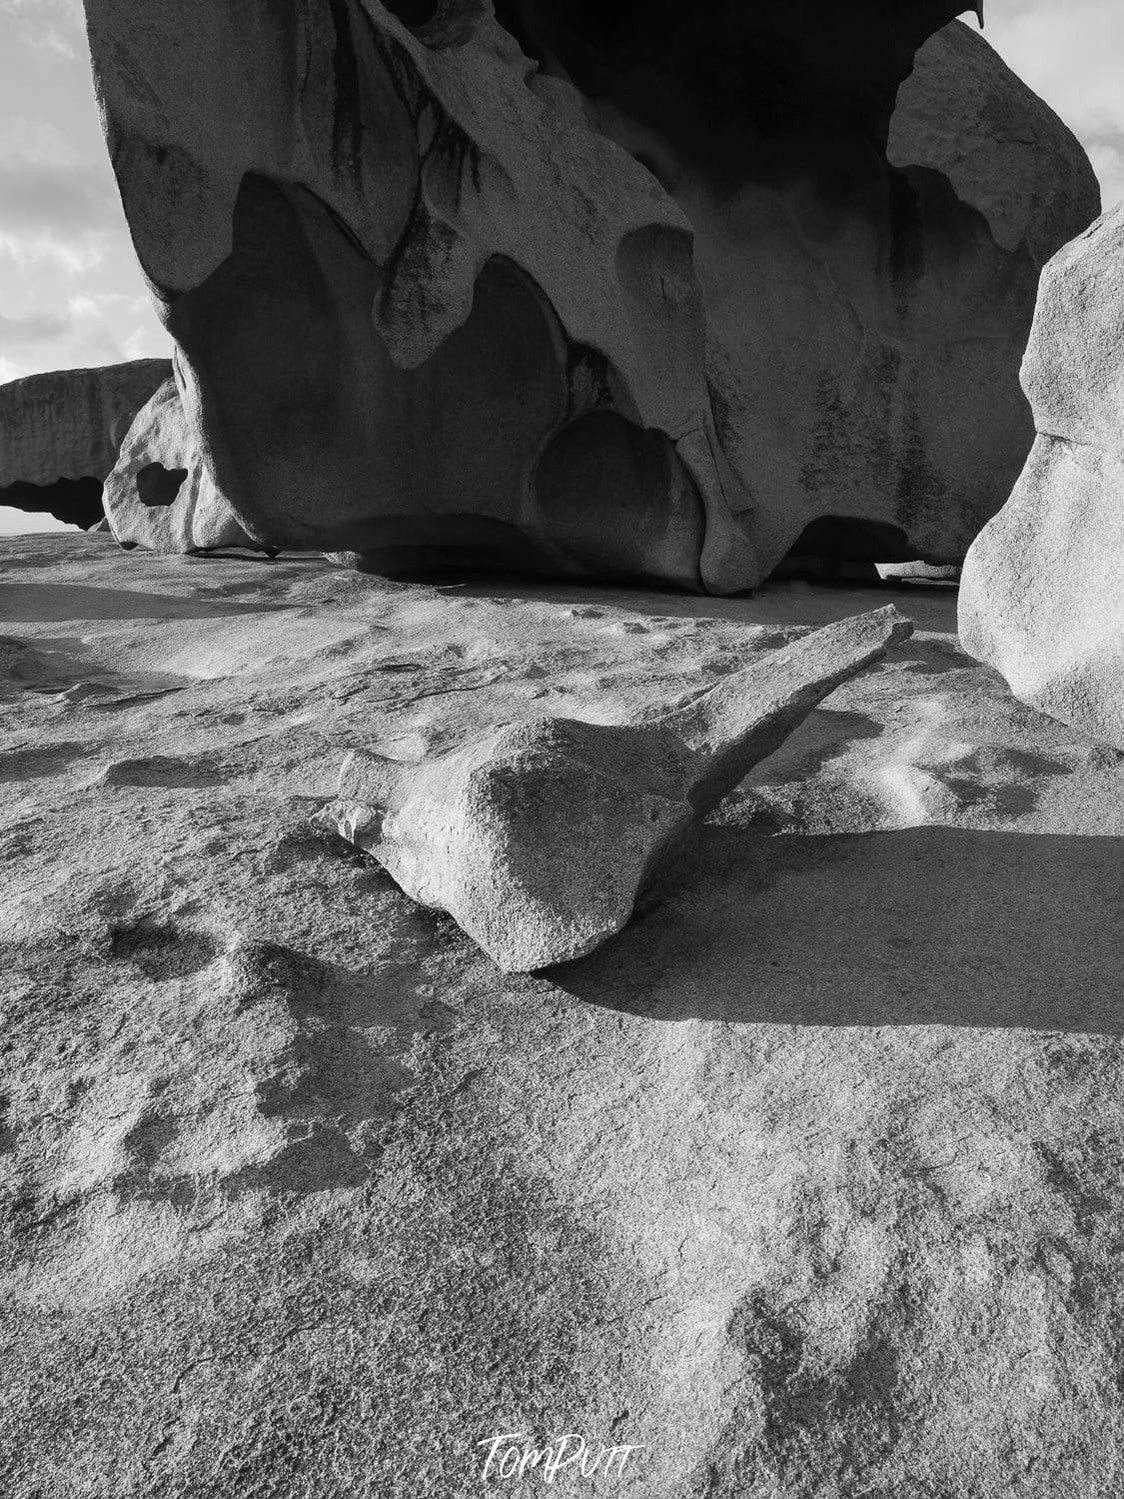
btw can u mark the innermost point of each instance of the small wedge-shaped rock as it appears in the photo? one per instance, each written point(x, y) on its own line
point(538, 837)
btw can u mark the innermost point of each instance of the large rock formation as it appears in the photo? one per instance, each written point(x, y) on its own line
point(1042, 597)
point(60, 432)
point(627, 291)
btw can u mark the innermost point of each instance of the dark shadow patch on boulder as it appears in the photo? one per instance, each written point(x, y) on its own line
point(414, 13)
point(76, 502)
point(158, 486)
point(171, 771)
point(839, 549)
point(36, 763)
point(615, 500)
point(794, 79)
point(343, 1072)
point(162, 950)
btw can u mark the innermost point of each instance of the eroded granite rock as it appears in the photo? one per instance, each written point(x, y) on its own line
point(538, 837)
point(1042, 596)
point(160, 493)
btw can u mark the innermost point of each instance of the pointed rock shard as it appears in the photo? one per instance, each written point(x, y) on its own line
point(748, 716)
point(538, 837)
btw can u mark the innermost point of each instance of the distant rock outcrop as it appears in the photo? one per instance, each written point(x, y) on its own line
point(1042, 597)
point(597, 291)
point(160, 494)
point(60, 432)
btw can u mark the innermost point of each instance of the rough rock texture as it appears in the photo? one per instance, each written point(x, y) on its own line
point(432, 312)
point(962, 112)
point(809, 1182)
point(1042, 597)
point(60, 432)
point(538, 837)
point(159, 494)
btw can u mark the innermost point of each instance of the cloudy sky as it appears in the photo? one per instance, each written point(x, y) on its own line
point(70, 292)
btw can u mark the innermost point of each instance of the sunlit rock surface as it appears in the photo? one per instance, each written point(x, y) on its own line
point(160, 493)
point(808, 1183)
point(1043, 588)
point(628, 292)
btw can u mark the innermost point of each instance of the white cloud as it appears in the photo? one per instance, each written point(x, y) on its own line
point(53, 40)
point(1108, 163)
point(44, 250)
point(66, 12)
point(31, 141)
point(91, 329)
point(32, 328)
point(71, 292)
point(55, 196)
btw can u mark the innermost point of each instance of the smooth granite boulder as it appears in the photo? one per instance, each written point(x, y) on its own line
point(60, 432)
point(624, 292)
point(1042, 596)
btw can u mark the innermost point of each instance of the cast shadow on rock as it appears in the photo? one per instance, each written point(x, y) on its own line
point(56, 603)
point(923, 926)
point(933, 658)
point(161, 950)
point(40, 761)
point(346, 1064)
point(824, 735)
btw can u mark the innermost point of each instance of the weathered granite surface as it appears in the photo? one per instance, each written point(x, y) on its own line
point(160, 494)
point(586, 291)
point(1042, 597)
